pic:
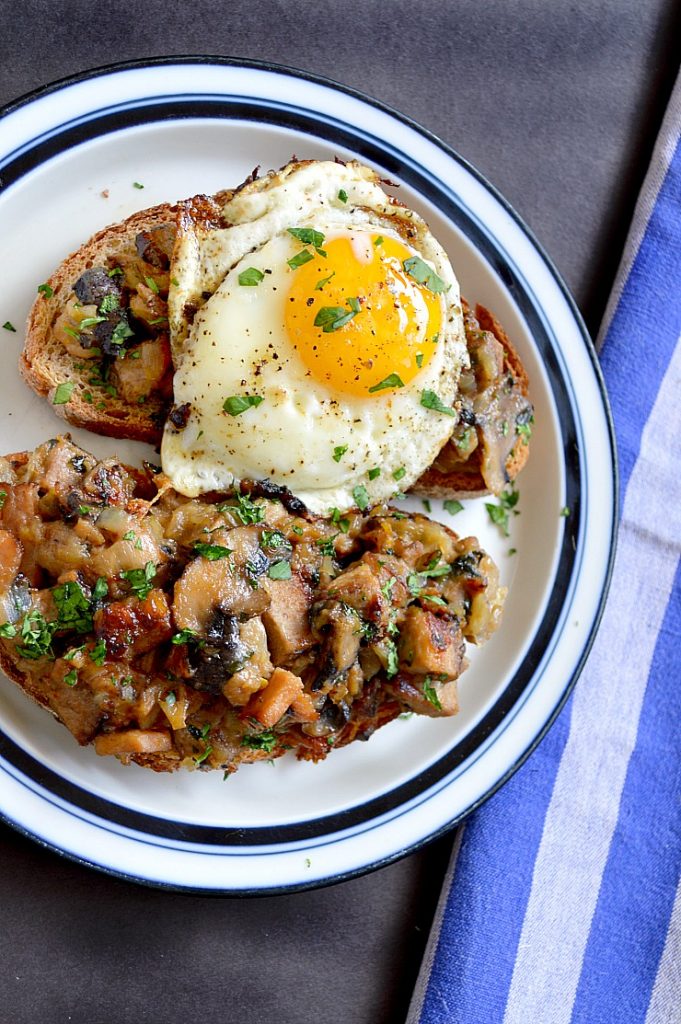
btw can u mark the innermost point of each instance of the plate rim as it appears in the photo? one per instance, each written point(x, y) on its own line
point(272, 67)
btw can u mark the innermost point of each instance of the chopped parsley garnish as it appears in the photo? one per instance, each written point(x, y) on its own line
point(7, 631)
point(100, 589)
point(326, 545)
point(309, 237)
point(424, 274)
point(342, 195)
point(9, 327)
point(379, 240)
point(499, 514)
point(339, 451)
point(212, 552)
point(3, 498)
point(36, 636)
point(63, 393)
point(251, 277)
point(279, 571)
point(429, 400)
point(434, 568)
point(332, 318)
point(524, 430)
point(419, 359)
point(110, 302)
point(393, 661)
point(399, 473)
point(266, 741)
point(426, 504)
point(463, 443)
point(452, 506)
point(183, 637)
point(71, 678)
point(120, 333)
point(150, 283)
point(46, 290)
point(361, 496)
point(99, 652)
point(324, 280)
point(237, 404)
point(374, 473)
point(73, 607)
point(249, 512)
point(140, 580)
point(137, 184)
point(565, 511)
point(430, 694)
point(130, 535)
point(391, 381)
point(274, 539)
point(300, 259)
point(115, 272)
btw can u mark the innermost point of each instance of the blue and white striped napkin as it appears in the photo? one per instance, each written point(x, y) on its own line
point(562, 904)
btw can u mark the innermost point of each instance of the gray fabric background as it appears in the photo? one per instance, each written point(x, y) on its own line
point(557, 102)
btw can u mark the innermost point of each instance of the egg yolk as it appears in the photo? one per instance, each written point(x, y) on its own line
point(360, 322)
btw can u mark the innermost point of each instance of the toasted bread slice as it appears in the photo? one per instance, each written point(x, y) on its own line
point(488, 449)
point(160, 648)
point(92, 402)
point(490, 445)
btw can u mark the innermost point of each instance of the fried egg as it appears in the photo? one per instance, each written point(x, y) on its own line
point(317, 340)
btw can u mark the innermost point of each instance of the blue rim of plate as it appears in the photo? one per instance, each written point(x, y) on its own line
point(150, 829)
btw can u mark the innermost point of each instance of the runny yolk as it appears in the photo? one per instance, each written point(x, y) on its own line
point(396, 321)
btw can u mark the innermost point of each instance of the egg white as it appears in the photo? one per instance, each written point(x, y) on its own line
point(237, 345)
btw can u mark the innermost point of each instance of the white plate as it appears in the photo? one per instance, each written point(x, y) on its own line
point(69, 157)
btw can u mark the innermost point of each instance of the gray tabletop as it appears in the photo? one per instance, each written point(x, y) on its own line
point(558, 105)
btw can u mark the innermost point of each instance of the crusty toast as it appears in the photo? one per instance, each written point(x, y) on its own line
point(496, 425)
point(209, 633)
point(487, 451)
point(73, 381)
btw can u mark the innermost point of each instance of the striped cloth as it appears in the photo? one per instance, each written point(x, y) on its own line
point(562, 903)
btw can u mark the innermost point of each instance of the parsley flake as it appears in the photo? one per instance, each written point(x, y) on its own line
point(300, 259)
point(309, 237)
point(452, 506)
point(391, 381)
point(140, 580)
point(332, 318)
point(324, 280)
point(251, 277)
point(361, 497)
point(63, 392)
point(71, 678)
point(339, 451)
point(430, 694)
point(429, 400)
point(9, 327)
point(279, 571)
point(46, 290)
point(212, 552)
point(425, 275)
point(265, 740)
point(237, 404)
